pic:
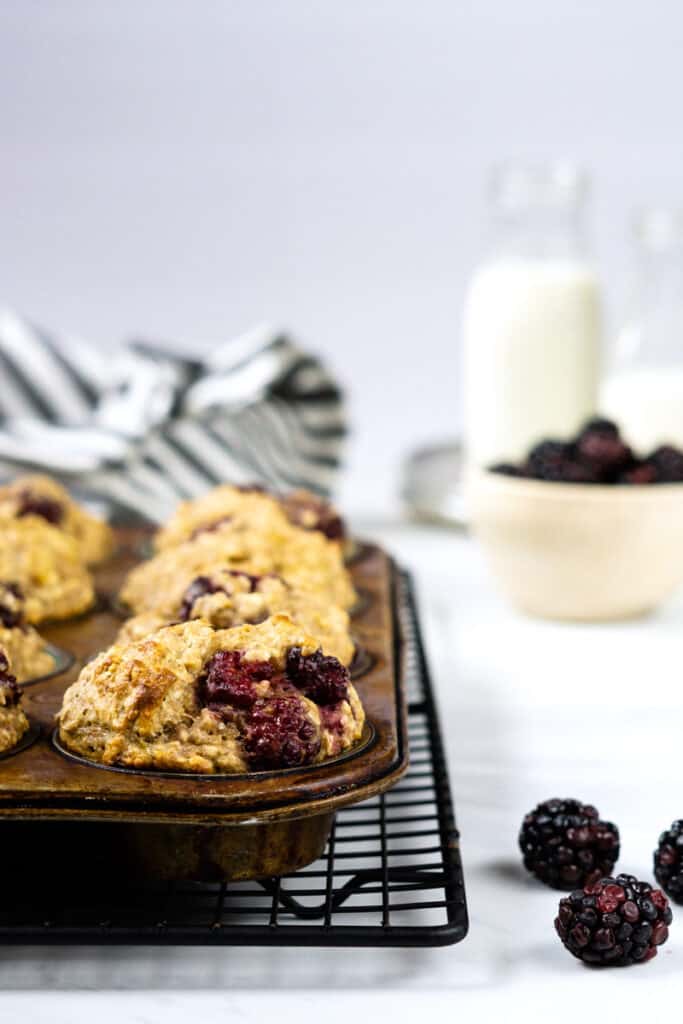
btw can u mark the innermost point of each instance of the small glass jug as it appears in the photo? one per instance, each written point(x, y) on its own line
point(643, 390)
point(532, 318)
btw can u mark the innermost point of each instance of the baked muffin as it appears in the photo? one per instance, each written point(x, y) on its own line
point(44, 498)
point(13, 721)
point(227, 597)
point(23, 645)
point(44, 563)
point(196, 699)
point(306, 560)
point(250, 508)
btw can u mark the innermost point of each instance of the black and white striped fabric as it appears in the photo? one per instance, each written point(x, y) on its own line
point(140, 428)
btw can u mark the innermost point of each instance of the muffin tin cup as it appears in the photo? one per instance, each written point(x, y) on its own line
point(362, 662)
point(63, 660)
point(366, 740)
point(27, 740)
point(362, 604)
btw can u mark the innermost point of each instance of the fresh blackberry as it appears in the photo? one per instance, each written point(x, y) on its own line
point(600, 446)
point(614, 922)
point(557, 461)
point(598, 425)
point(639, 473)
point(668, 464)
point(571, 471)
point(564, 843)
point(547, 456)
point(669, 861)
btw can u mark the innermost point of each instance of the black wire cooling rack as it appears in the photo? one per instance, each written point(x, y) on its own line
point(391, 874)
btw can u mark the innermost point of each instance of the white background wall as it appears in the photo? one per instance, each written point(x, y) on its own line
point(183, 169)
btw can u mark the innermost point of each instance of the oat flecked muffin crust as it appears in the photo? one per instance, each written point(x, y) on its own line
point(41, 497)
point(249, 508)
point(226, 598)
point(196, 699)
point(44, 563)
point(13, 721)
point(23, 645)
point(307, 560)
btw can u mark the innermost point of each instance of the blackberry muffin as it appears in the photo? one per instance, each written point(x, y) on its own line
point(227, 597)
point(45, 564)
point(23, 645)
point(306, 560)
point(43, 498)
point(13, 721)
point(196, 699)
point(250, 508)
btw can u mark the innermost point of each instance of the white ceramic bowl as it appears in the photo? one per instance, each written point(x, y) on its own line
point(580, 551)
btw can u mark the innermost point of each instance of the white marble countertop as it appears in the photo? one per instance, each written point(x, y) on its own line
point(530, 710)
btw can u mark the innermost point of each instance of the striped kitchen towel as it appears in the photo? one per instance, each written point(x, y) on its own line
point(141, 428)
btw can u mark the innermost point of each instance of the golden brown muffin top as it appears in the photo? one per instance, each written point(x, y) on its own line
point(249, 508)
point(40, 497)
point(308, 560)
point(199, 699)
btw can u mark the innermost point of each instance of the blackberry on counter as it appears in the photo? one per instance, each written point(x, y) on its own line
point(614, 922)
point(669, 861)
point(565, 844)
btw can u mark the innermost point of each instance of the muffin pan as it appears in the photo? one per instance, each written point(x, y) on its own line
point(182, 826)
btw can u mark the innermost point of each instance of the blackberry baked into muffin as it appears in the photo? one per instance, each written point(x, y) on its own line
point(45, 564)
point(13, 721)
point(307, 560)
point(227, 597)
point(42, 497)
point(196, 699)
point(23, 645)
point(250, 508)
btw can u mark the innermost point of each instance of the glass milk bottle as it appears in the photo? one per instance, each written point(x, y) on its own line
point(643, 391)
point(532, 319)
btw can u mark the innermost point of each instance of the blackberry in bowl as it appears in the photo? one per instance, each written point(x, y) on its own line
point(614, 922)
point(597, 454)
point(565, 844)
point(583, 529)
point(669, 861)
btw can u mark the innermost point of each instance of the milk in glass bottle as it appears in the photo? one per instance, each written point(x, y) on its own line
point(532, 319)
point(643, 390)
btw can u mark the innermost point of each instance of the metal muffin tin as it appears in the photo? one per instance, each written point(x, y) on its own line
point(175, 826)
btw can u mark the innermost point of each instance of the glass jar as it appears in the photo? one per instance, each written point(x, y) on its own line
point(643, 390)
point(532, 318)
